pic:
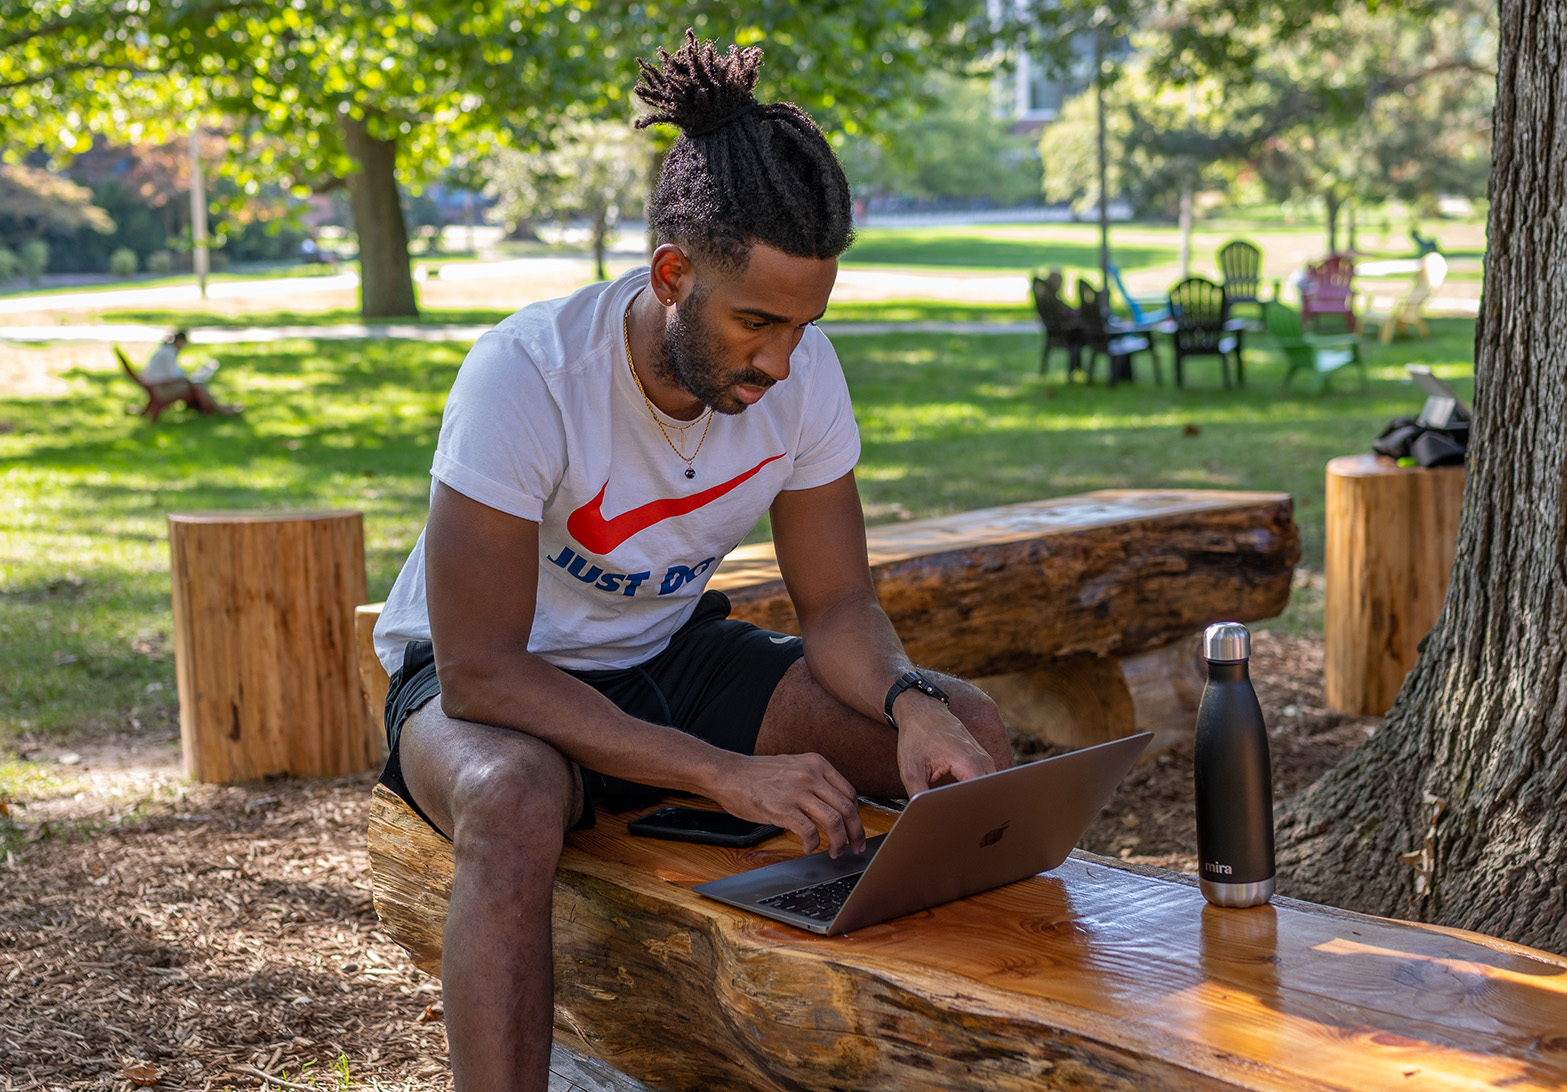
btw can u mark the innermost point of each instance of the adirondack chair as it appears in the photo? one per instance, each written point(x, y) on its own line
point(1241, 264)
point(1144, 310)
point(1408, 312)
point(1327, 290)
point(1101, 338)
point(1321, 355)
point(157, 401)
point(1203, 327)
point(1063, 328)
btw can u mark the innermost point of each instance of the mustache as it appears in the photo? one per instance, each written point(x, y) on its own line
point(754, 378)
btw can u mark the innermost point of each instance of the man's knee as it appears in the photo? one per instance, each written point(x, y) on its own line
point(515, 799)
point(493, 790)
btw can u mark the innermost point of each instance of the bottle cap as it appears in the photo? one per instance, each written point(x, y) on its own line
point(1226, 642)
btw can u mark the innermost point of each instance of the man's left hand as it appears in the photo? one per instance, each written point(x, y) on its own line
point(933, 744)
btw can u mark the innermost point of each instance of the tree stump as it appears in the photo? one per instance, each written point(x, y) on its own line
point(1391, 535)
point(264, 644)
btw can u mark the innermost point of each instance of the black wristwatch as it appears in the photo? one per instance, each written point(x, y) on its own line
point(912, 680)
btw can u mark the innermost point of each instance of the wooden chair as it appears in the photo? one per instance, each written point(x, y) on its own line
point(1063, 329)
point(1327, 290)
point(1101, 338)
point(157, 401)
point(1320, 355)
point(1203, 328)
point(1408, 312)
point(1241, 264)
point(1143, 309)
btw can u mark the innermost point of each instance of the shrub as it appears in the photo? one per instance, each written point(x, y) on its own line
point(122, 263)
point(9, 263)
point(160, 261)
point(35, 259)
point(217, 261)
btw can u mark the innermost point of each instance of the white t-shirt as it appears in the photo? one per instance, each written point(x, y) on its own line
point(163, 365)
point(545, 423)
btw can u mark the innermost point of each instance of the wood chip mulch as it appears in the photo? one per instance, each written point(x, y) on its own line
point(207, 939)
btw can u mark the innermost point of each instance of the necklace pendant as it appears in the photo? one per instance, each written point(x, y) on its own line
point(690, 473)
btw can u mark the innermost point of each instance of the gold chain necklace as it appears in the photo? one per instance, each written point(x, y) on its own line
point(625, 331)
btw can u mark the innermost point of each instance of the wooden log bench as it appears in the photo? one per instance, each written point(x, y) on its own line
point(1097, 976)
point(1078, 615)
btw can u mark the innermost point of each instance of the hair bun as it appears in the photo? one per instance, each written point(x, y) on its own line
point(697, 88)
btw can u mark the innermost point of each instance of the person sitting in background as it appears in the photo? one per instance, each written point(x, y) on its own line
point(170, 381)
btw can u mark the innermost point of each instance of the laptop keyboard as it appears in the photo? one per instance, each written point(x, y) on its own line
point(819, 901)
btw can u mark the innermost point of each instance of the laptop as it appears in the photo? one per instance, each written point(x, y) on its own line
point(1443, 408)
point(949, 842)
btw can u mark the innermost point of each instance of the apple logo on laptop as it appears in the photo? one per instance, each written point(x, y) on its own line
point(994, 836)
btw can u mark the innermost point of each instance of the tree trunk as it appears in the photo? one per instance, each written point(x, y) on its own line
point(386, 285)
point(601, 228)
point(1185, 220)
point(1333, 202)
point(1454, 812)
point(522, 231)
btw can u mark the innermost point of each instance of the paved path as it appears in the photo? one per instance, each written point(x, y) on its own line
point(129, 334)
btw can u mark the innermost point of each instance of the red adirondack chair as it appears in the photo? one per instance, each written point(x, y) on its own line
point(156, 403)
point(1327, 290)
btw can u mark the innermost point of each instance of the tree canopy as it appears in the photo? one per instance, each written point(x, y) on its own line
point(1353, 105)
point(371, 93)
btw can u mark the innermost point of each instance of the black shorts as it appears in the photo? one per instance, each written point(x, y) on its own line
point(713, 681)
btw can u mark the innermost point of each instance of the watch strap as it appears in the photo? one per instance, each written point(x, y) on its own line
point(911, 680)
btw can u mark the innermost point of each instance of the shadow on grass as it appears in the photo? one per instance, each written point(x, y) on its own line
point(948, 422)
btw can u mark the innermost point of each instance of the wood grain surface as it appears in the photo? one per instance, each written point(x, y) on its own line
point(1098, 975)
point(264, 646)
point(1392, 533)
point(999, 590)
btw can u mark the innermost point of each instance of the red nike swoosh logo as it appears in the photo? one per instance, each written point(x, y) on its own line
point(599, 535)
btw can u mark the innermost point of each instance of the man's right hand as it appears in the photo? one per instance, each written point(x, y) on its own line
point(801, 793)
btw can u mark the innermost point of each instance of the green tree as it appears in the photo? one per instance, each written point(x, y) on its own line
point(1350, 105)
point(36, 202)
point(928, 148)
point(1380, 105)
point(1453, 811)
point(594, 169)
point(364, 93)
point(72, 70)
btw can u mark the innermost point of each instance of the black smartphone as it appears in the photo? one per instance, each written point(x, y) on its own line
point(716, 828)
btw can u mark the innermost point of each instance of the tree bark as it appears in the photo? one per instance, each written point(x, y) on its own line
point(601, 229)
point(1456, 811)
point(1331, 198)
point(386, 286)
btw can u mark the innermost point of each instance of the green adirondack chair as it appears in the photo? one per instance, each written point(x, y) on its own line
point(1319, 354)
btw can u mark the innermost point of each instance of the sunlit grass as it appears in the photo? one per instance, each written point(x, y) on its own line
point(949, 422)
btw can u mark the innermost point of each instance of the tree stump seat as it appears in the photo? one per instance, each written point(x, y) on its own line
point(1098, 975)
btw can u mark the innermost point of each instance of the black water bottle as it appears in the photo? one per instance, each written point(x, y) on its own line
point(1234, 780)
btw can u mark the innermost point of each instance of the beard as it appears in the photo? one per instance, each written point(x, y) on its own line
point(692, 357)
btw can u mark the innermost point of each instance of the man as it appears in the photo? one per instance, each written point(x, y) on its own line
point(598, 456)
point(171, 383)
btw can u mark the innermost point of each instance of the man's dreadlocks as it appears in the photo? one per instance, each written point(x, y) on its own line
point(742, 172)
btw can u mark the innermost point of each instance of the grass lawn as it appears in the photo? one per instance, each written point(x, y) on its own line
point(949, 422)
